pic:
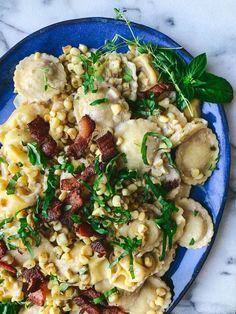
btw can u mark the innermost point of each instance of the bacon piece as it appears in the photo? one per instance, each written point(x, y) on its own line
point(86, 128)
point(90, 309)
point(112, 310)
point(39, 129)
point(90, 293)
point(99, 247)
point(70, 184)
point(34, 278)
point(85, 230)
point(54, 211)
point(3, 248)
point(107, 146)
point(8, 267)
point(39, 296)
point(158, 89)
point(169, 185)
point(49, 146)
point(75, 200)
point(87, 173)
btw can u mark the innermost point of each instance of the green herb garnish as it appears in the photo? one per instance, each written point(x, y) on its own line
point(165, 221)
point(50, 190)
point(144, 146)
point(76, 219)
point(99, 101)
point(2, 160)
point(8, 307)
point(12, 183)
point(192, 241)
point(127, 76)
point(36, 155)
point(105, 295)
point(129, 246)
point(45, 71)
point(64, 286)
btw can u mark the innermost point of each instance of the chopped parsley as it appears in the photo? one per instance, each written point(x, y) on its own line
point(127, 76)
point(99, 101)
point(36, 155)
point(2, 160)
point(12, 183)
point(192, 241)
point(52, 182)
point(105, 295)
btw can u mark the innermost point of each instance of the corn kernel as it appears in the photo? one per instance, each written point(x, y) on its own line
point(148, 261)
point(58, 172)
point(29, 263)
point(101, 189)
point(161, 291)
point(66, 256)
point(55, 123)
point(58, 251)
point(37, 56)
point(116, 201)
point(61, 116)
point(83, 48)
point(195, 172)
point(119, 141)
point(68, 103)
point(159, 301)
point(116, 109)
point(72, 132)
point(62, 196)
point(125, 192)
point(43, 257)
point(132, 188)
point(141, 216)
point(62, 239)
point(163, 119)
point(66, 49)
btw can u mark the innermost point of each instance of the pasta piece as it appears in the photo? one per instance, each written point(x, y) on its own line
point(106, 115)
point(39, 79)
point(190, 128)
point(132, 132)
point(148, 77)
point(98, 268)
point(198, 230)
point(196, 158)
point(152, 295)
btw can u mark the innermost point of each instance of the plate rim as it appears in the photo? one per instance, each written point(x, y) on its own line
point(225, 124)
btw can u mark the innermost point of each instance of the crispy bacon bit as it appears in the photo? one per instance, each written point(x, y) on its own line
point(49, 147)
point(99, 247)
point(107, 146)
point(87, 173)
point(3, 248)
point(8, 267)
point(39, 130)
point(38, 297)
point(54, 211)
point(34, 278)
point(66, 220)
point(70, 184)
point(158, 90)
point(113, 310)
point(169, 185)
point(86, 128)
point(75, 200)
point(90, 309)
point(90, 293)
point(84, 230)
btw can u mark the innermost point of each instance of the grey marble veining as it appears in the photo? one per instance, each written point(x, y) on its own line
point(199, 26)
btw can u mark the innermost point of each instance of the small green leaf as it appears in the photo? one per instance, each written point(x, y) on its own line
point(192, 241)
point(63, 286)
point(12, 183)
point(2, 160)
point(99, 101)
point(76, 219)
point(127, 76)
point(36, 155)
point(50, 190)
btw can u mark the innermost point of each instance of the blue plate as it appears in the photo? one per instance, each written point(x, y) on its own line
point(93, 32)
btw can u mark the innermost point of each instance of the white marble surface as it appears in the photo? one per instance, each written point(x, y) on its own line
point(200, 26)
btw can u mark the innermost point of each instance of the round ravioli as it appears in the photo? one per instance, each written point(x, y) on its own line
point(132, 132)
point(106, 114)
point(198, 229)
point(187, 131)
point(152, 295)
point(39, 78)
point(196, 158)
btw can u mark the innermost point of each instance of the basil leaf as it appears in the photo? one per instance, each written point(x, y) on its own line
point(50, 190)
point(99, 101)
point(36, 156)
point(127, 76)
point(144, 146)
point(183, 98)
point(213, 88)
point(105, 295)
point(196, 67)
point(2, 160)
point(7, 307)
point(12, 184)
point(76, 219)
point(63, 286)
